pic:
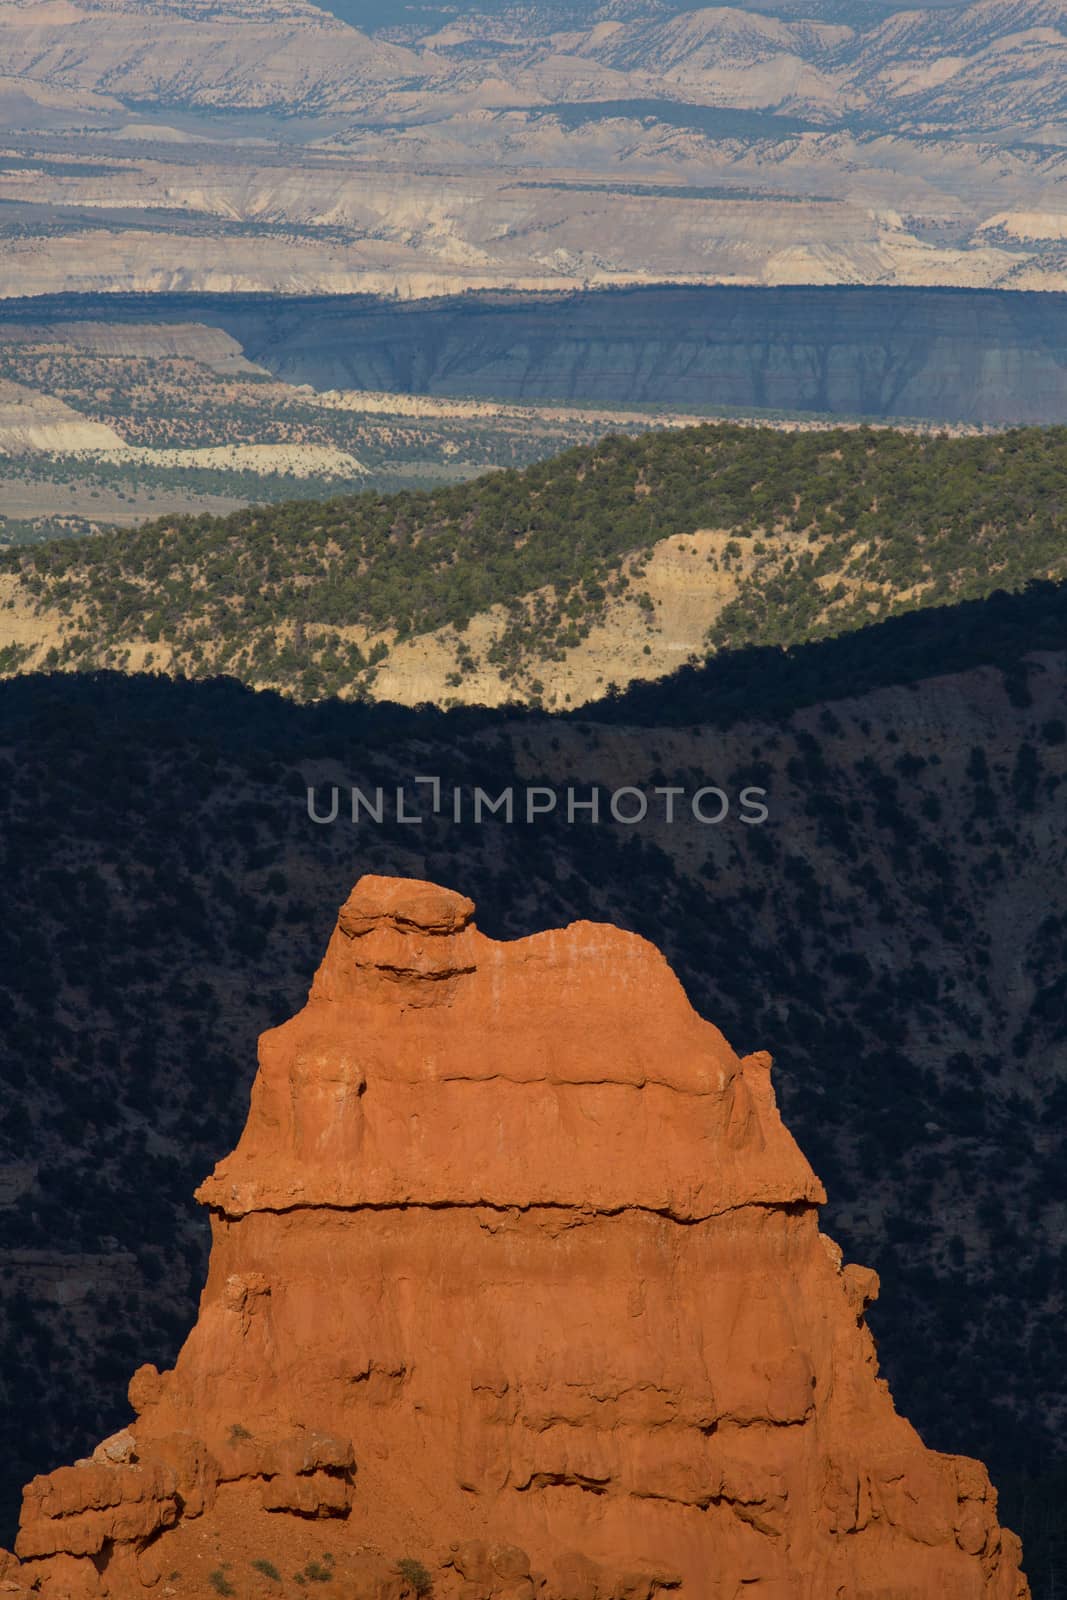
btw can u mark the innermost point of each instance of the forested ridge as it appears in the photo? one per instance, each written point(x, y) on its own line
point(829, 531)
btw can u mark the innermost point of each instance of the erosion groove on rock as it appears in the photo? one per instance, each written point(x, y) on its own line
point(517, 1289)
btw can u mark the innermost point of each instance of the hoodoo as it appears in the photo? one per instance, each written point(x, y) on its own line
point(517, 1292)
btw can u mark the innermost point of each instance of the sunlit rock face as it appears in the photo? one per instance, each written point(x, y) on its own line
point(516, 1290)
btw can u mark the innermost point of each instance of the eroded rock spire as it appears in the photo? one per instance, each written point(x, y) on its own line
point(516, 1289)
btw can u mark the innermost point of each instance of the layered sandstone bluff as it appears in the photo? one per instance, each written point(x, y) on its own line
point(516, 1291)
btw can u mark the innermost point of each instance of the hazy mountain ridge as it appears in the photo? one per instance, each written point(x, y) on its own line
point(996, 63)
point(858, 352)
point(993, 63)
point(922, 147)
point(1002, 62)
point(287, 54)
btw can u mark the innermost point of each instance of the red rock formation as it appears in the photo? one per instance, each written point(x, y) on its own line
point(517, 1288)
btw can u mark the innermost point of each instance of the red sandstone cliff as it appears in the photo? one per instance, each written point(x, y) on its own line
point(516, 1277)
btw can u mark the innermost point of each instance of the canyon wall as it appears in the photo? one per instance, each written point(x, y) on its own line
point(958, 356)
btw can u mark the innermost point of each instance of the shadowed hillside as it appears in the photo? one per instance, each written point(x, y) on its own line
point(984, 356)
point(894, 934)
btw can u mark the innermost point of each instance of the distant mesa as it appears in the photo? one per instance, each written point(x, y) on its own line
point(157, 133)
point(517, 1292)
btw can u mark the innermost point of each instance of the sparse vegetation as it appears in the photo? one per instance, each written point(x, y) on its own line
point(315, 1571)
point(415, 1575)
point(852, 526)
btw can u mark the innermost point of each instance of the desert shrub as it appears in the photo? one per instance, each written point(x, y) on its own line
point(414, 1573)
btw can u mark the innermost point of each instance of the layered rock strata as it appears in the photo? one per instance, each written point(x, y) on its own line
point(517, 1292)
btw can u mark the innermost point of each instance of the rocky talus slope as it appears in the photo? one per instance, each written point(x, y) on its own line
point(516, 1290)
